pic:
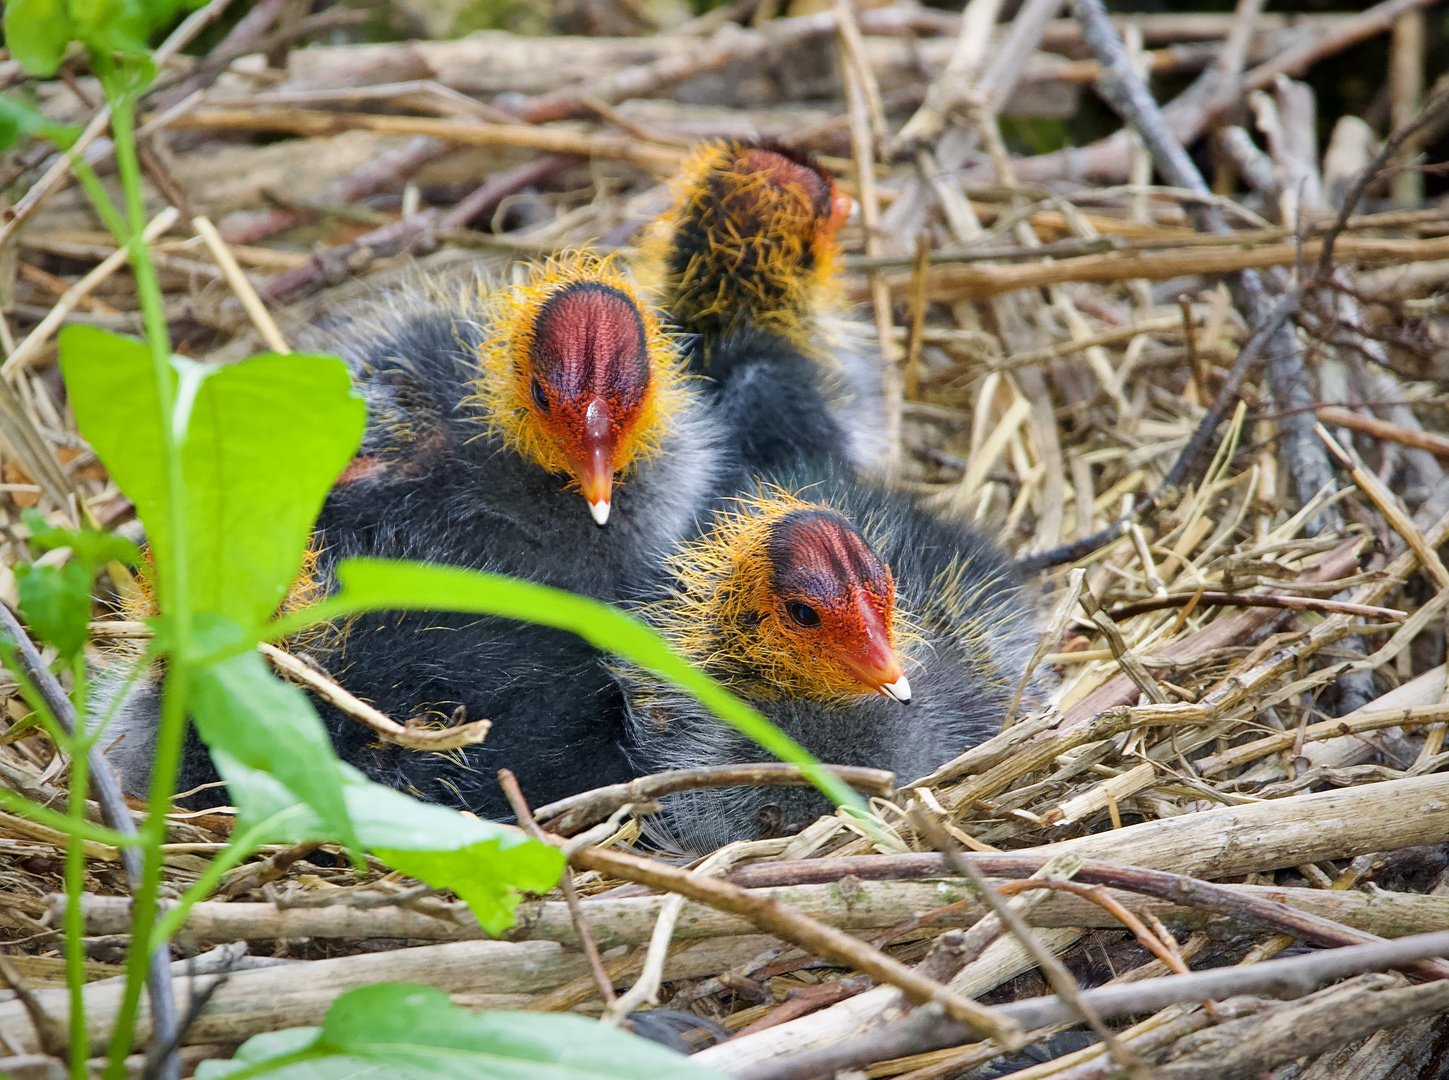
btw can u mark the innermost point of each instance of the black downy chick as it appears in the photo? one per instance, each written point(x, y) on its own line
point(745, 266)
point(828, 606)
point(966, 620)
point(479, 412)
point(486, 409)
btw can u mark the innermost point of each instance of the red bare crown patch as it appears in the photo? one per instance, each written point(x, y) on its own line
point(817, 553)
point(784, 174)
point(589, 341)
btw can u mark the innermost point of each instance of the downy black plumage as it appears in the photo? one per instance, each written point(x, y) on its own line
point(796, 424)
point(966, 627)
point(471, 402)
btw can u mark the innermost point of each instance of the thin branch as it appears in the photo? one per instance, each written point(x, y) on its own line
point(509, 783)
point(1183, 468)
point(1224, 599)
point(1434, 108)
point(928, 1029)
point(774, 918)
point(388, 729)
point(107, 787)
point(1055, 971)
point(567, 816)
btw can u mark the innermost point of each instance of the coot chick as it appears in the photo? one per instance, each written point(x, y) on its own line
point(828, 605)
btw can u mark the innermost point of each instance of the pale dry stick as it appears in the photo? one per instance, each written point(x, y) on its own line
point(858, 81)
point(954, 84)
point(50, 1032)
point(847, 27)
point(927, 1029)
point(36, 340)
point(1367, 720)
point(995, 85)
point(1209, 599)
point(870, 907)
point(1069, 348)
point(646, 986)
point(1430, 114)
point(994, 750)
point(1149, 568)
point(1326, 1023)
point(819, 939)
point(1126, 659)
point(567, 816)
point(1096, 894)
point(509, 783)
point(1055, 971)
point(240, 285)
point(42, 189)
point(916, 312)
point(1384, 429)
point(315, 122)
point(1388, 506)
point(958, 280)
point(1057, 626)
point(386, 728)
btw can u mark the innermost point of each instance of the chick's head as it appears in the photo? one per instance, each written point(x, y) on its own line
point(786, 598)
point(750, 241)
point(577, 375)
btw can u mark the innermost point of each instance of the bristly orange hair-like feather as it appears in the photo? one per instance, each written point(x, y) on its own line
point(719, 615)
point(138, 603)
point(767, 254)
point(502, 387)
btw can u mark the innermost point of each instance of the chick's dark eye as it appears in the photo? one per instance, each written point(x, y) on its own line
point(539, 397)
point(803, 614)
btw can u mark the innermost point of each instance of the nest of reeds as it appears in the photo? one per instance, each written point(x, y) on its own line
point(1234, 513)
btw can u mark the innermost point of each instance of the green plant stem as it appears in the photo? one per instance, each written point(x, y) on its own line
point(172, 572)
point(10, 656)
point(75, 882)
point(101, 201)
point(238, 850)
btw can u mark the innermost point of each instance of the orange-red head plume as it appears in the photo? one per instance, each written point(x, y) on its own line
point(578, 376)
point(750, 241)
point(786, 598)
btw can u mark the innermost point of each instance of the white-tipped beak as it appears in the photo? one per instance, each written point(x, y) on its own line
point(900, 690)
point(600, 511)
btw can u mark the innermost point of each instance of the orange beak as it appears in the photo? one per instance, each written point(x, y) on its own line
point(876, 664)
point(594, 468)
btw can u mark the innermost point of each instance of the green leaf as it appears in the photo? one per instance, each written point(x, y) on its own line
point(55, 602)
point(37, 33)
point(388, 585)
point(486, 876)
point(266, 438)
point(92, 547)
point(259, 722)
point(112, 388)
point(484, 862)
point(414, 1032)
point(19, 118)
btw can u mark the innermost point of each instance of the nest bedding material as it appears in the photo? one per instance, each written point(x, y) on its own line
point(1291, 753)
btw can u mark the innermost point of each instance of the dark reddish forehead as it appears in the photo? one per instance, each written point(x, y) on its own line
point(589, 340)
point(783, 173)
point(820, 554)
